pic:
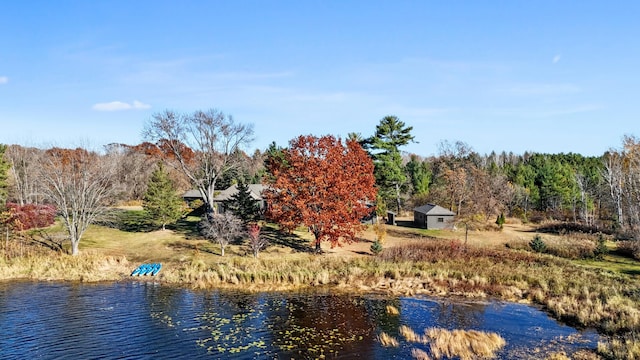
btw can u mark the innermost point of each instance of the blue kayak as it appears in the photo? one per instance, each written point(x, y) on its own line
point(156, 269)
point(148, 269)
point(140, 270)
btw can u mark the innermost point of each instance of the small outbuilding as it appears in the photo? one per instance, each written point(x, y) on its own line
point(391, 218)
point(432, 216)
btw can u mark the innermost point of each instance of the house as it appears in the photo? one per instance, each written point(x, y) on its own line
point(192, 195)
point(431, 216)
point(255, 191)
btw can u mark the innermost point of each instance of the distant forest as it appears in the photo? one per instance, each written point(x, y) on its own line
point(602, 193)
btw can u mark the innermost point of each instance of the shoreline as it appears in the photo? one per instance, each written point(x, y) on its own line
point(576, 295)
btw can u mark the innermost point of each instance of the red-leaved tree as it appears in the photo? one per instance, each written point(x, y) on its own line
point(323, 184)
point(257, 242)
point(32, 216)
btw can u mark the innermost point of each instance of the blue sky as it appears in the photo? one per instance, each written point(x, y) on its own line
point(544, 76)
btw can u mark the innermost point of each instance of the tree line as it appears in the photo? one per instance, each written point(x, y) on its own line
point(205, 150)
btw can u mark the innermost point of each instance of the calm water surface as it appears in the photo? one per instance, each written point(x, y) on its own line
point(136, 320)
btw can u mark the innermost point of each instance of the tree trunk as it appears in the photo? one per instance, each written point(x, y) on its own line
point(398, 198)
point(318, 248)
point(74, 247)
point(221, 250)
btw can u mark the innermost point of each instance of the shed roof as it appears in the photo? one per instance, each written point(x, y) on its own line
point(431, 209)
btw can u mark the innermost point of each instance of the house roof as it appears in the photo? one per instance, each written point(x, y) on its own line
point(431, 209)
point(254, 189)
point(192, 194)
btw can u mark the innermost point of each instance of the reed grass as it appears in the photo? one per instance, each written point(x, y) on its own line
point(392, 310)
point(88, 267)
point(420, 354)
point(463, 344)
point(387, 340)
point(623, 347)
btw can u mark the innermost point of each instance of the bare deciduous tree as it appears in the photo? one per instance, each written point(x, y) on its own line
point(222, 228)
point(203, 145)
point(24, 162)
point(257, 242)
point(79, 183)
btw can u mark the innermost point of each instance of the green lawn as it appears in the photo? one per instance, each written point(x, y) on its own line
point(616, 263)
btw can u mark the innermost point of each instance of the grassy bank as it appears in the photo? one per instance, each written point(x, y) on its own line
point(573, 291)
point(578, 295)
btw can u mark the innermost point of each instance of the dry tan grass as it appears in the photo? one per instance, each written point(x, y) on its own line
point(88, 266)
point(620, 348)
point(558, 356)
point(387, 340)
point(392, 310)
point(411, 335)
point(464, 344)
point(419, 354)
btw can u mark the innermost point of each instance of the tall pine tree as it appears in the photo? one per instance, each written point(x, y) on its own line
point(161, 201)
point(390, 134)
point(243, 205)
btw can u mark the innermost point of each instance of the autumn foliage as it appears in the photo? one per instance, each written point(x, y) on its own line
point(322, 184)
point(30, 216)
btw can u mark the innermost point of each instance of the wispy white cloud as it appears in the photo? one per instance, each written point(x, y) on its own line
point(119, 105)
point(557, 58)
point(4, 79)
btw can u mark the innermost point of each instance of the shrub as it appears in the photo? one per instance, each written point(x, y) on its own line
point(31, 216)
point(629, 248)
point(537, 244)
point(376, 247)
point(222, 228)
point(500, 220)
point(257, 242)
point(601, 248)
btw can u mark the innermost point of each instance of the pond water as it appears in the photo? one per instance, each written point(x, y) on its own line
point(137, 320)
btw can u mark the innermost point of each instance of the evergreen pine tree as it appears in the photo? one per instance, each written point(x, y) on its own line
point(390, 175)
point(243, 205)
point(500, 220)
point(161, 201)
point(4, 169)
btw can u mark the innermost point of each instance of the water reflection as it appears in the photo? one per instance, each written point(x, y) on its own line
point(148, 321)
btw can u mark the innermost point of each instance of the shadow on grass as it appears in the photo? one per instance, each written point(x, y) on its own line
point(205, 248)
point(407, 224)
point(292, 241)
point(128, 220)
point(139, 221)
point(187, 226)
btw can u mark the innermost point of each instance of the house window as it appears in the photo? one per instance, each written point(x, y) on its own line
point(440, 220)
